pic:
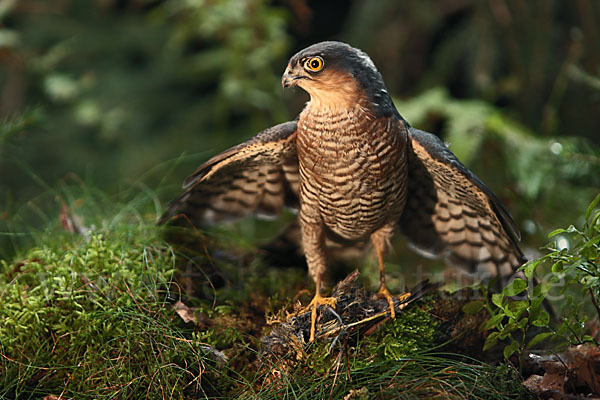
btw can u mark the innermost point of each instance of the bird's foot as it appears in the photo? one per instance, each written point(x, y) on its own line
point(384, 293)
point(317, 301)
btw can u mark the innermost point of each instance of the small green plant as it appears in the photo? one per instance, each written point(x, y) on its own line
point(573, 259)
point(513, 312)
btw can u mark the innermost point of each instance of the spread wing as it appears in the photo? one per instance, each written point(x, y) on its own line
point(259, 176)
point(452, 214)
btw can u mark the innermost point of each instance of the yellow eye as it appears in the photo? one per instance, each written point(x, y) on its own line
point(314, 64)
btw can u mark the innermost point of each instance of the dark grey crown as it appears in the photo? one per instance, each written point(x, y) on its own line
point(344, 57)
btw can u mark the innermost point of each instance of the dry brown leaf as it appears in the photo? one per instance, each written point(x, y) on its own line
point(186, 313)
point(574, 371)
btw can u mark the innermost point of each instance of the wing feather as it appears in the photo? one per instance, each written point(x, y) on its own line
point(259, 176)
point(451, 213)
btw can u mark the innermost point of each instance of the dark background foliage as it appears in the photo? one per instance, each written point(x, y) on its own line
point(133, 94)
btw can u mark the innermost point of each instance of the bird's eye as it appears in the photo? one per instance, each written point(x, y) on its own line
point(314, 64)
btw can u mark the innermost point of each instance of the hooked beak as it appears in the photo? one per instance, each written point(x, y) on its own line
point(289, 79)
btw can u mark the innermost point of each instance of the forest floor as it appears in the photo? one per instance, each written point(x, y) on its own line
point(116, 311)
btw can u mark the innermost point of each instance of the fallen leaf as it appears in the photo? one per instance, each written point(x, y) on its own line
point(574, 371)
point(187, 314)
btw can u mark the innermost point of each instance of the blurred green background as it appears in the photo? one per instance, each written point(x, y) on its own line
point(131, 95)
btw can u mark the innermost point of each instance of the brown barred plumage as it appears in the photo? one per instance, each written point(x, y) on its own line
point(357, 171)
point(352, 175)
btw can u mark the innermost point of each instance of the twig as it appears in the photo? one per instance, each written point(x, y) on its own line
point(342, 329)
point(594, 302)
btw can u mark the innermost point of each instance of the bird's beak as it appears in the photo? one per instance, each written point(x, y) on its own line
point(286, 80)
point(289, 78)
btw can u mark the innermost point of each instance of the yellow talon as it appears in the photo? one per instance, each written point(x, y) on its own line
point(384, 293)
point(314, 304)
point(403, 297)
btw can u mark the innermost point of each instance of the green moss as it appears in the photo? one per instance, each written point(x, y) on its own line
point(89, 318)
point(413, 331)
point(506, 379)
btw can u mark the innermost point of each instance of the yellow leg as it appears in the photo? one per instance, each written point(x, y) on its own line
point(314, 304)
point(383, 290)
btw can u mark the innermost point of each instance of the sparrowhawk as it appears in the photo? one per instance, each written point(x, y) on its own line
point(354, 169)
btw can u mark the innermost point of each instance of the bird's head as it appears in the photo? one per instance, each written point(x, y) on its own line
point(336, 75)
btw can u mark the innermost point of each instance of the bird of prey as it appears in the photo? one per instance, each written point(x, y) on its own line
point(354, 169)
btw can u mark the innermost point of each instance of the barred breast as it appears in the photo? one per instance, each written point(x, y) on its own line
point(353, 170)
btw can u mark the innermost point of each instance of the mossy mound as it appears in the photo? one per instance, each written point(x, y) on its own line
point(107, 315)
point(90, 318)
point(370, 356)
